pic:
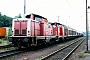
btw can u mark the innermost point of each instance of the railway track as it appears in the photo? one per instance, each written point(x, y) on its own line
point(12, 52)
point(65, 52)
point(6, 46)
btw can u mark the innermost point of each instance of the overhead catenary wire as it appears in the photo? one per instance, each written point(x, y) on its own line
point(76, 14)
point(43, 8)
point(52, 13)
point(72, 8)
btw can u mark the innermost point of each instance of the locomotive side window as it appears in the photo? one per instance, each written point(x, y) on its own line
point(38, 19)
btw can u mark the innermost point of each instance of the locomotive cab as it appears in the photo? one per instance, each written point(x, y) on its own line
point(36, 17)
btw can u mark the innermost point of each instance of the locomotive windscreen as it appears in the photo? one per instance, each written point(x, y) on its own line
point(28, 16)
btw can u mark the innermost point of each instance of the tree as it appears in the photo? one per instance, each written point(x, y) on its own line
point(5, 21)
point(18, 16)
point(49, 22)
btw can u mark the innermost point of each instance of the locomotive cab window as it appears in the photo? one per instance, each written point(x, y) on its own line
point(38, 19)
point(28, 16)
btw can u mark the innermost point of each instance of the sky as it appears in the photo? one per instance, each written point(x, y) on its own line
point(71, 12)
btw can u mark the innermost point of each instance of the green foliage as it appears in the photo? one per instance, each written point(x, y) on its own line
point(5, 21)
point(49, 22)
point(18, 16)
point(4, 41)
point(10, 31)
point(83, 54)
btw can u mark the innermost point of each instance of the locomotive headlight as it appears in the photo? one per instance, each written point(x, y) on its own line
point(28, 33)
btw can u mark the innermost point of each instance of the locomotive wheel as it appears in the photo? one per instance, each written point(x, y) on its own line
point(19, 44)
point(28, 45)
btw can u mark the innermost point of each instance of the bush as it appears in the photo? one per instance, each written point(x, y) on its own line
point(10, 31)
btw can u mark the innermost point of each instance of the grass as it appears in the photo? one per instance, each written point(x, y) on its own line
point(60, 44)
point(4, 41)
point(83, 54)
point(39, 58)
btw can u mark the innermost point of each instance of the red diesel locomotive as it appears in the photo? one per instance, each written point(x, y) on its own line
point(35, 30)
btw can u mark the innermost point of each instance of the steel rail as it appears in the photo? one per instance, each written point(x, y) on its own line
point(73, 50)
point(12, 52)
point(6, 46)
point(53, 53)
